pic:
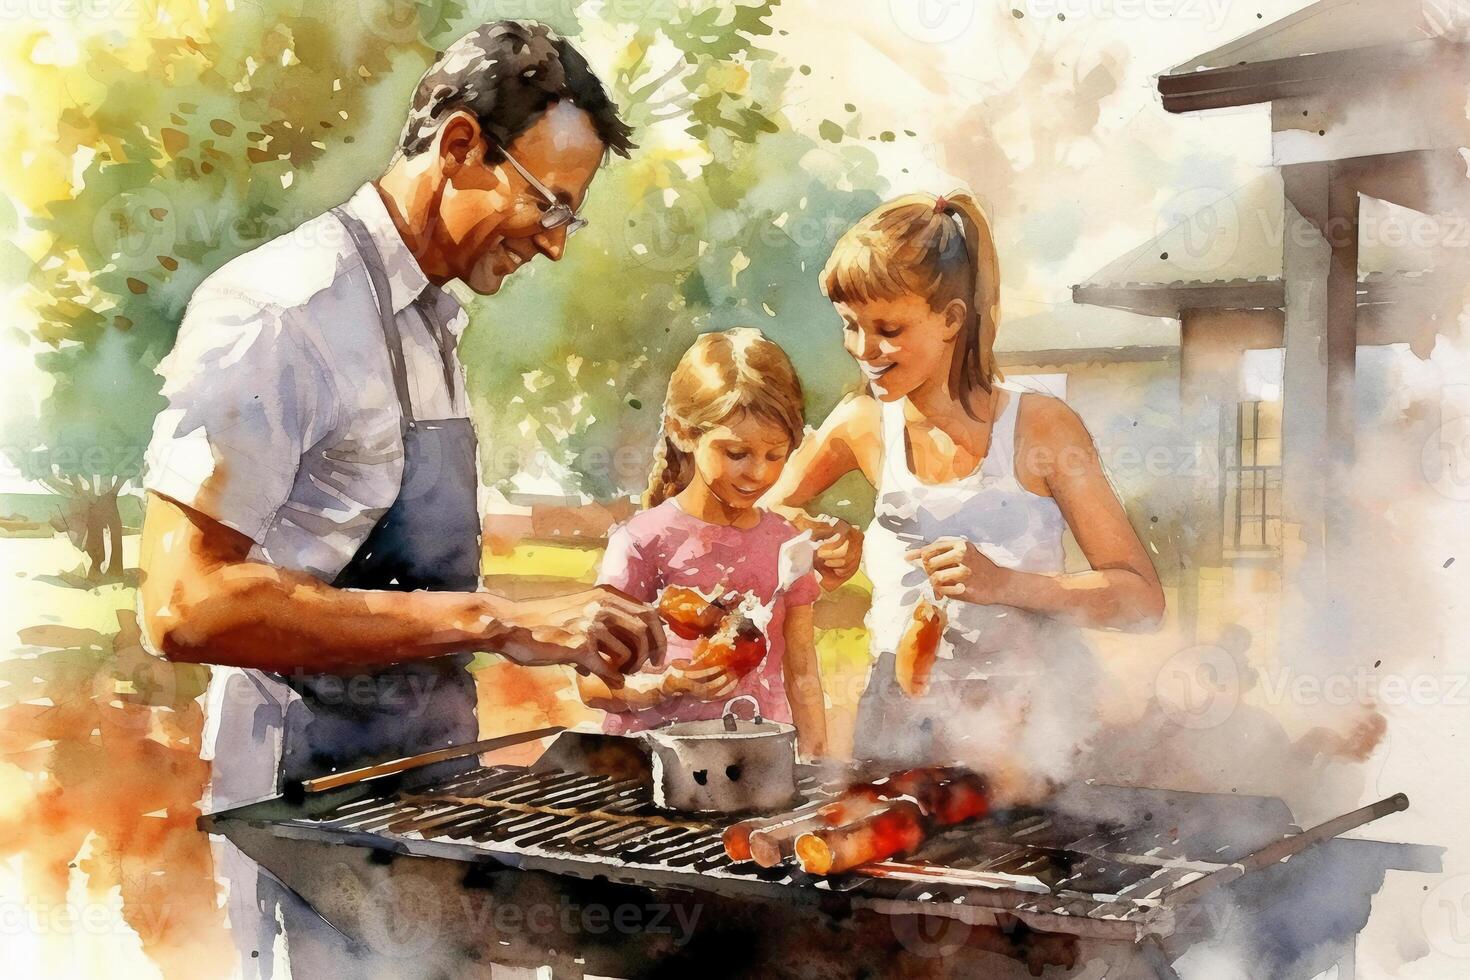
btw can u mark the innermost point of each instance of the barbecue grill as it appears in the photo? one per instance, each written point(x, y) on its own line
point(567, 863)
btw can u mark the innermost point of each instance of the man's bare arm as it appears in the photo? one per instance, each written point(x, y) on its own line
point(205, 601)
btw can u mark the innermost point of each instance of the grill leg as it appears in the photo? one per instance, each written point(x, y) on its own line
point(1347, 966)
point(1158, 961)
point(498, 972)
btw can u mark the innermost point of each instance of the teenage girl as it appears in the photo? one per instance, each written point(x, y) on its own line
point(976, 483)
point(733, 415)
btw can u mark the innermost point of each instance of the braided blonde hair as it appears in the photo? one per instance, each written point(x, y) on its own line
point(913, 246)
point(721, 377)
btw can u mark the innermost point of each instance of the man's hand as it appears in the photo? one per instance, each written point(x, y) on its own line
point(839, 548)
point(956, 568)
point(711, 683)
point(599, 631)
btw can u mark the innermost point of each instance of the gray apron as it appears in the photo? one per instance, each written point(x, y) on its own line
point(276, 730)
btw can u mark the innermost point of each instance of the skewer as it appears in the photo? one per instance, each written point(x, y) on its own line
point(338, 779)
point(938, 875)
point(1280, 850)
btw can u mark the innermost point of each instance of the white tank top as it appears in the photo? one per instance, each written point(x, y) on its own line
point(1009, 525)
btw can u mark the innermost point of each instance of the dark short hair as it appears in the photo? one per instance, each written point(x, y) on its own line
point(508, 73)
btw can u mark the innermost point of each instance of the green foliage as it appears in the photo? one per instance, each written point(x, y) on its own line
point(724, 217)
point(184, 143)
point(192, 137)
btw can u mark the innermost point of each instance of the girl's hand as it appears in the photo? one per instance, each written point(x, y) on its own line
point(700, 683)
point(956, 568)
point(839, 549)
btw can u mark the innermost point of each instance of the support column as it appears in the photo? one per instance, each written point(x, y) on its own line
point(1342, 367)
point(1207, 382)
point(1320, 268)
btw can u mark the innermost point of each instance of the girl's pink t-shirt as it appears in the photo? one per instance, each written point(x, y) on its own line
point(665, 546)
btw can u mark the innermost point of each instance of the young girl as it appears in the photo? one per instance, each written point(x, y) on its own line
point(976, 483)
point(732, 416)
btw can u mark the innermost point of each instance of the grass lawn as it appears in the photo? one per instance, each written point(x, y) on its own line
point(100, 775)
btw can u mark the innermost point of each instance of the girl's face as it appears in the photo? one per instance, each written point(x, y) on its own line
point(740, 460)
point(900, 344)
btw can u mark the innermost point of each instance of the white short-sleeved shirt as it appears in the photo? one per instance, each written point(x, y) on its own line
point(282, 421)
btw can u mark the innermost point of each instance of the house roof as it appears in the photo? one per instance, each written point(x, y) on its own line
point(1324, 27)
point(1226, 253)
point(1302, 53)
point(1209, 236)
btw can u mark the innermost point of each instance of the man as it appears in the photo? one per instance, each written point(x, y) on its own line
point(311, 523)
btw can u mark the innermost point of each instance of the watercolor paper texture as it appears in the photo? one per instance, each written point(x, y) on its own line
point(407, 409)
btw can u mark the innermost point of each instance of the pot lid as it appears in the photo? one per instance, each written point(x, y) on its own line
point(717, 728)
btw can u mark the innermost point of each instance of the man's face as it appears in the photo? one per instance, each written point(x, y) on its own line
point(491, 215)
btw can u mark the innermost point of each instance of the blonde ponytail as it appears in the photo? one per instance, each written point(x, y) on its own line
point(976, 357)
point(913, 245)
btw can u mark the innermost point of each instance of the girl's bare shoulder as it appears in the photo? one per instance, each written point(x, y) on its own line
point(856, 415)
point(1045, 420)
point(1050, 438)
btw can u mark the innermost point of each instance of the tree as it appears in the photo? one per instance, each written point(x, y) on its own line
point(164, 146)
point(723, 217)
point(159, 149)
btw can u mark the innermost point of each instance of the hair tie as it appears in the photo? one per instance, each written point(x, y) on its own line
point(941, 203)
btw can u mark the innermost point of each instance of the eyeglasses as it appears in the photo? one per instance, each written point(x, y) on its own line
point(557, 213)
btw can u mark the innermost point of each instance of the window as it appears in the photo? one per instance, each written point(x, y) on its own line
point(1253, 481)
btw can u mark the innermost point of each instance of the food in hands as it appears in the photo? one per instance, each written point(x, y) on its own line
point(727, 630)
point(739, 646)
point(689, 613)
point(918, 648)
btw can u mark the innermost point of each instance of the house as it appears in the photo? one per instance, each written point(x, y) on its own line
point(1293, 303)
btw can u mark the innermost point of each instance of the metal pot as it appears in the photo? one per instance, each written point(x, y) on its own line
point(728, 765)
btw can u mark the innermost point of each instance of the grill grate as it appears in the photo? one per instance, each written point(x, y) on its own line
point(1092, 870)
